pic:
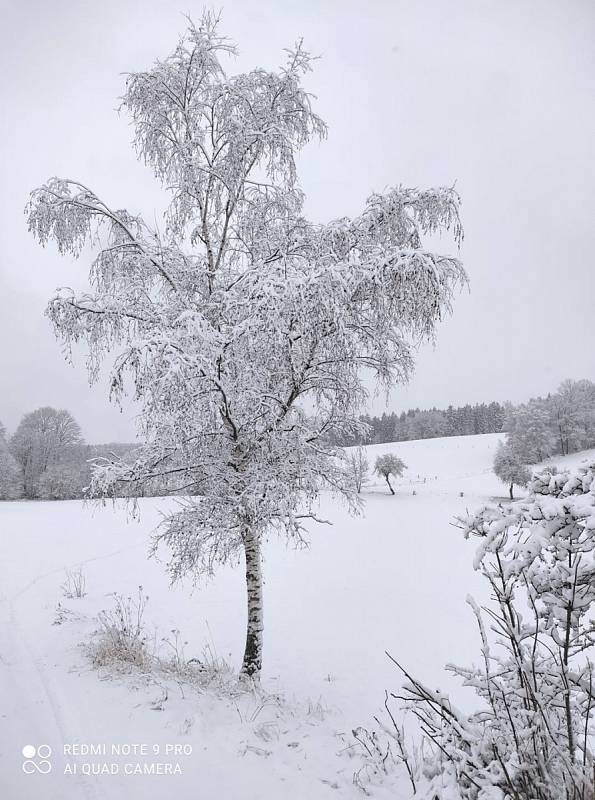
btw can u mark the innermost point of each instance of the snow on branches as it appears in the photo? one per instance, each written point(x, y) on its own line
point(510, 467)
point(387, 465)
point(533, 735)
point(244, 327)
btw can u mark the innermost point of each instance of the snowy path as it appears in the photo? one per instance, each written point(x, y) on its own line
point(33, 710)
point(33, 703)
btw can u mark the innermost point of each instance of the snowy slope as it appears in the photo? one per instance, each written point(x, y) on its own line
point(394, 578)
point(443, 466)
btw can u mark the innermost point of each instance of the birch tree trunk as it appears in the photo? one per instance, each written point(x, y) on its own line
point(252, 661)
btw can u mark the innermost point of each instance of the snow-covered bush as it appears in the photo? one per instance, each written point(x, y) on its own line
point(358, 467)
point(387, 465)
point(209, 670)
point(61, 482)
point(122, 634)
point(510, 468)
point(122, 643)
point(384, 751)
point(532, 735)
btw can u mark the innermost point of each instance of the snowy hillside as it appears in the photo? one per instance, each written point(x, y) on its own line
point(437, 466)
point(392, 579)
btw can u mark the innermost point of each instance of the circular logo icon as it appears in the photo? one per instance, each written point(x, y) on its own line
point(36, 759)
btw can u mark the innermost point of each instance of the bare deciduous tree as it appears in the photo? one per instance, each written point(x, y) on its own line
point(41, 440)
point(358, 466)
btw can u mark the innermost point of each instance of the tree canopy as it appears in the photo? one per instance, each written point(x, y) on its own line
point(243, 326)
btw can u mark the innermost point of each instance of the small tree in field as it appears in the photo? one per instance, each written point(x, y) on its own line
point(358, 466)
point(509, 467)
point(387, 465)
point(243, 327)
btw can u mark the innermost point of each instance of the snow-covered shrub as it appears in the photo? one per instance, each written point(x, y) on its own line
point(384, 751)
point(63, 614)
point(387, 465)
point(207, 671)
point(61, 482)
point(75, 585)
point(532, 735)
point(510, 468)
point(122, 635)
point(358, 467)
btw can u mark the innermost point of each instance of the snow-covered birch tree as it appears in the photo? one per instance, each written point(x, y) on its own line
point(244, 328)
point(358, 466)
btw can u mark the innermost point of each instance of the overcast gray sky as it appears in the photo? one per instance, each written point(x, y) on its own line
point(496, 95)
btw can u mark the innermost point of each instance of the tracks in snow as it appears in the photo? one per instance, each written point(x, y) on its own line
point(32, 707)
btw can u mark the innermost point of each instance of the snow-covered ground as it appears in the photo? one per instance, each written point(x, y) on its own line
point(392, 579)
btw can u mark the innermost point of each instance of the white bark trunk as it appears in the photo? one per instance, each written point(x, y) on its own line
point(252, 661)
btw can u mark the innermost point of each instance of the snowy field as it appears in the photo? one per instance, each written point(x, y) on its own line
point(393, 579)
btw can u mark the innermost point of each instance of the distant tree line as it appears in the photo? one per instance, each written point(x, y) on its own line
point(559, 424)
point(430, 424)
point(47, 459)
